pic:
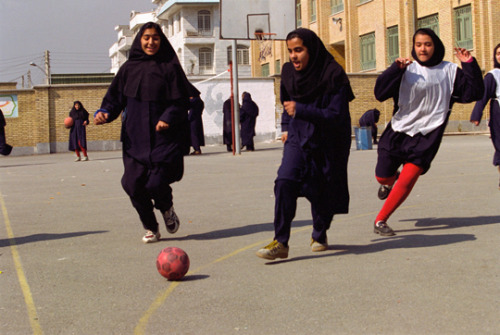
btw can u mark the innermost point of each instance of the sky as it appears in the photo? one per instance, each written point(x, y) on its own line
point(77, 34)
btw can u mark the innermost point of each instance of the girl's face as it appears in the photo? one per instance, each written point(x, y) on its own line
point(497, 55)
point(299, 55)
point(150, 41)
point(77, 106)
point(424, 47)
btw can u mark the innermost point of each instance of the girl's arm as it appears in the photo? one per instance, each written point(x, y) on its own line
point(388, 82)
point(469, 85)
point(336, 109)
point(490, 87)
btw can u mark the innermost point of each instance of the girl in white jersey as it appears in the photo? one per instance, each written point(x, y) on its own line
point(423, 92)
point(491, 91)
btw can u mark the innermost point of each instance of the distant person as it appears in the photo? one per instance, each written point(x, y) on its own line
point(424, 91)
point(196, 124)
point(315, 93)
point(5, 149)
point(248, 116)
point(77, 132)
point(227, 125)
point(491, 94)
point(153, 90)
point(370, 119)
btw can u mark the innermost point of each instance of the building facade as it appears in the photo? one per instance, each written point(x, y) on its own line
point(365, 36)
point(193, 29)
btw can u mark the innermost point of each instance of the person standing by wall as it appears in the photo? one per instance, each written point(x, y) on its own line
point(227, 125)
point(248, 117)
point(196, 124)
point(153, 90)
point(5, 149)
point(315, 93)
point(370, 119)
point(424, 92)
point(78, 132)
point(492, 94)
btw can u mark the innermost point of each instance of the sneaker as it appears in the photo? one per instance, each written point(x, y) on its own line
point(274, 250)
point(383, 191)
point(151, 237)
point(196, 152)
point(171, 220)
point(383, 229)
point(86, 158)
point(78, 159)
point(317, 246)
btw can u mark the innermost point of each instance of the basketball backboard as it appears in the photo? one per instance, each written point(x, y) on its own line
point(241, 19)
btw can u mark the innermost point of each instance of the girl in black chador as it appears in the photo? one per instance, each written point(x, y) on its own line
point(153, 91)
point(78, 133)
point(492, 94)
point(315, 93)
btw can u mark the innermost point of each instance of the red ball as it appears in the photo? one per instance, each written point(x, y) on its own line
point(172, 263)
point(68, 122)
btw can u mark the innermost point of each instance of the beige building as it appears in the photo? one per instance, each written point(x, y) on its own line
point(365, 36)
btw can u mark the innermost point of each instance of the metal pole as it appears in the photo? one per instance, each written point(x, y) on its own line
point(237, 141)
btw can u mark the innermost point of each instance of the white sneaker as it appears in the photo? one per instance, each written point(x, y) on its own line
point(151, 237)
point(171, 220)
point(85, 158)
point(78, 159)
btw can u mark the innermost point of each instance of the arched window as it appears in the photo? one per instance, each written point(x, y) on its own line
point(206, 61)
point(242, 54)
point(204, 25)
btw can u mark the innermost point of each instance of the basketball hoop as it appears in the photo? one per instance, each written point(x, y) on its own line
point(265, 44)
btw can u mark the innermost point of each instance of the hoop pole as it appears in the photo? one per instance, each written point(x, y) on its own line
point(235, 94)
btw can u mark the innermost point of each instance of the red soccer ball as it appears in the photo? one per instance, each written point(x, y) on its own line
point(172, 263)
point(68, 122)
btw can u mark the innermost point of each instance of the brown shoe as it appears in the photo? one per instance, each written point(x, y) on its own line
point(273, 250)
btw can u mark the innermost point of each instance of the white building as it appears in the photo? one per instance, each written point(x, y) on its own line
point(193, 28)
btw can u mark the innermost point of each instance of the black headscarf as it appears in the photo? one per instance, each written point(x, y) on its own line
point(437, 56)
point(322, 75)
point(78, 114)
point(154, 78)
point(495, 62)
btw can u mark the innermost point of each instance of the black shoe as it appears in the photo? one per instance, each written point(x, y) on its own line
point(383, 229)
point(172, 222)
point(383, 191)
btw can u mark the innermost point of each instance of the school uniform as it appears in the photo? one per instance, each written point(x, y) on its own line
point(5, 149)
point(150, 89)
point(315, 155)
point(196, 123)
point(492, 94)
point(227, 125)
point(248, 117)
point(370, 119)
point(78, 132)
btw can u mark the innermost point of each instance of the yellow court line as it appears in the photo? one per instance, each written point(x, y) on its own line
point(28, 298)
point(160, 299)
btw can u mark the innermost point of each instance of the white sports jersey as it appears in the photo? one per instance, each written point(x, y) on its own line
point(496, 75)
point(424, 98)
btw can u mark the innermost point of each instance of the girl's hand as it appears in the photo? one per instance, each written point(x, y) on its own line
point(403, 62)
point(289, 107)
point(476, 123)
point(463, 55)
point(284, 136)
point(161, 125)
point(100, 118)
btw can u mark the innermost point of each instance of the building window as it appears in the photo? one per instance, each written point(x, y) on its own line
point(463, 27)
point(431, 22)
point(312, 8)
point(206, 61)
point(392, 44)
point(336, 6)
point(204, 25)
point(368, 61)
point(242, 55)
point(265, 70)
point(298, 10)
point(277, 66)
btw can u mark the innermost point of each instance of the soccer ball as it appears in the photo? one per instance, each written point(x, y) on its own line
point(68, 122)
point(172, 263)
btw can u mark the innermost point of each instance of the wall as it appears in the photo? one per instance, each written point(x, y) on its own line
point(39, 129)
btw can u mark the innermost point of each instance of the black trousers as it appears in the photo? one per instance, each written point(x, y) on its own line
point(149, 187)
